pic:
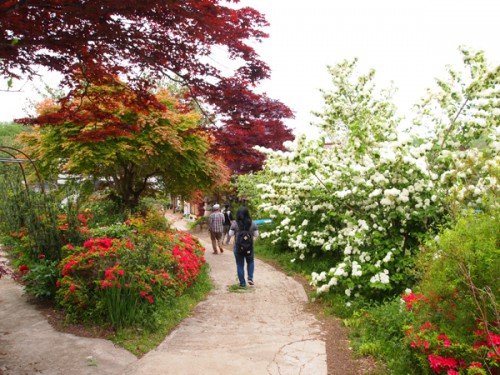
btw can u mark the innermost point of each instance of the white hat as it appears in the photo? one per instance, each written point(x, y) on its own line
point(216, 206)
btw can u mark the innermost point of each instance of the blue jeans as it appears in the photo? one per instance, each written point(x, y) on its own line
point(240, 266)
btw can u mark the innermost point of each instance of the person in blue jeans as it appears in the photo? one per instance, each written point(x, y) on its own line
point(243, 222)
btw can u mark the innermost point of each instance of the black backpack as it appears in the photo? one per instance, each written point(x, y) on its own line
point(244, 242)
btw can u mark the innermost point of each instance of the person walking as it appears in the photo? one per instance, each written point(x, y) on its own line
point(215, 227)
point(228, 220)
point(244, 230)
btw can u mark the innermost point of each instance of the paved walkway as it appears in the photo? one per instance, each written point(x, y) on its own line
point(261, 331)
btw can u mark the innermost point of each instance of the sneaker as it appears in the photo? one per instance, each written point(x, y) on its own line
point(250, 282)
point(221, 249)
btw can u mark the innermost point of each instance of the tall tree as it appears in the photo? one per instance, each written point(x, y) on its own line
point(93, 42)
point(167, 147)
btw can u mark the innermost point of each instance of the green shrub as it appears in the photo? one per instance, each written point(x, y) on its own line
point(37, 221)
point(199, 223)
point(118, 230)
point(40, 280)
point(377, 331)
point(105, 211)
point(455, 314)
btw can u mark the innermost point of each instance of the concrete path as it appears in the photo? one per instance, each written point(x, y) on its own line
point(29, 345)
point(264, 330)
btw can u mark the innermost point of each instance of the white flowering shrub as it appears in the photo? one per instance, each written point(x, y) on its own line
point(368, 196)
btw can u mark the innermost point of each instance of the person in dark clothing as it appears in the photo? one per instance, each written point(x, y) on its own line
point(228, 220)
point(243, 223)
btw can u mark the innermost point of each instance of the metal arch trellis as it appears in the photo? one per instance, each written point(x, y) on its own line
point(11, 152)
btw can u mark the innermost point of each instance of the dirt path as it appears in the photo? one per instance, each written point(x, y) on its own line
point(264, 330)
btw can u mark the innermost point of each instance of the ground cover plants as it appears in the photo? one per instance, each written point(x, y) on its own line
point(360, 205)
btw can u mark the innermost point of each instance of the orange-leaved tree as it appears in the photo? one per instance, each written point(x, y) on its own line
point(135, 150)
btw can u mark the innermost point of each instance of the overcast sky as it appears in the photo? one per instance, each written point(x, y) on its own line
point(408, 42)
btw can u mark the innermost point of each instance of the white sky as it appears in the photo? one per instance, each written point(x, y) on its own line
point(408, 42)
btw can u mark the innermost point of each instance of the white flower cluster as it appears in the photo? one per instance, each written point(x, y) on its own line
point(370, 194)
point(381, 277)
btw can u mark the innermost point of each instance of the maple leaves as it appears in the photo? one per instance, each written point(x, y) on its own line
point(106, 42)
point(136, 152)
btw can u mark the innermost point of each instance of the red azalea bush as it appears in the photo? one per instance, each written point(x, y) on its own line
point(477, 354)
point(121, 281)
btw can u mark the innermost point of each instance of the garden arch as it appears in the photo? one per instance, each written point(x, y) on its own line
point(12, 151)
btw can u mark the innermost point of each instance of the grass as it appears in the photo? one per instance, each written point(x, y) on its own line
point(236, 288)
point(141, 341)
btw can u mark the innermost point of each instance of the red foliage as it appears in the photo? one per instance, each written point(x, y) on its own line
point(93, 42)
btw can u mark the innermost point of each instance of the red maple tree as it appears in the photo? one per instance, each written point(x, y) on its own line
point(96, 42)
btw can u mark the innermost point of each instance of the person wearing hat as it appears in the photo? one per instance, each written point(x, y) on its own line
point(215, 227)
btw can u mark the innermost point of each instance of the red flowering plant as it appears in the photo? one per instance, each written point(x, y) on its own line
point(456, 328)
point(453, 353)
point(38, 249)
point(121, 281)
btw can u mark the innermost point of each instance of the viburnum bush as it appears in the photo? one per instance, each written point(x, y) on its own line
point(366, 196)
point(121, 281)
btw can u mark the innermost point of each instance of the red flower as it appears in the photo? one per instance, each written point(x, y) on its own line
point(24, 269)
point(41, 256)
point(438, 363)
point(446, 341)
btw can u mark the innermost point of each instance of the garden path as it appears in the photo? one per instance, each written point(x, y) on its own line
point(263, 330)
